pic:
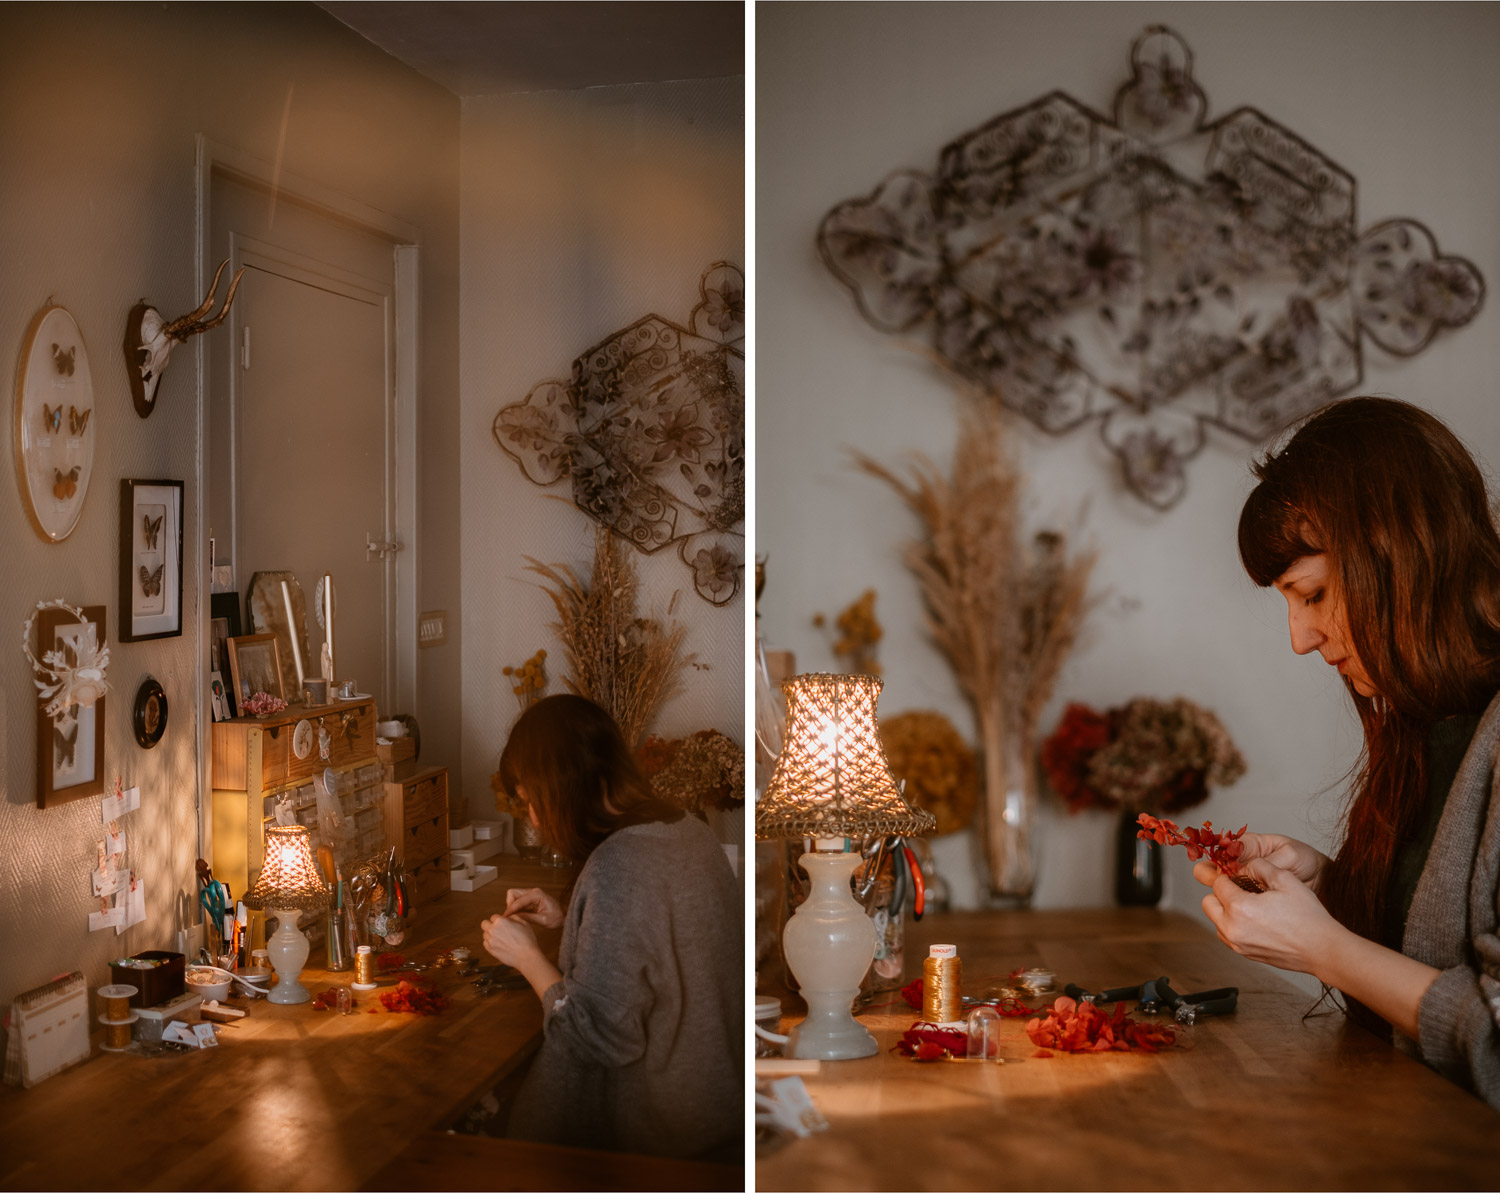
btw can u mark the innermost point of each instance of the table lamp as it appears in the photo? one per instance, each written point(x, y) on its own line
point(832, 781)
point(288, 885)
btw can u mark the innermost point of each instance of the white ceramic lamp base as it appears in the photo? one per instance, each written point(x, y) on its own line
point(830, 942)
point(287, 949)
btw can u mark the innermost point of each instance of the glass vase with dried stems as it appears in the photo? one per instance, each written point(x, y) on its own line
point(625, 663)
point(1004, 607)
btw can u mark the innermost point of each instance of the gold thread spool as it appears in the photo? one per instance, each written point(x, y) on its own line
point(364, 966)
point(117, 1035)
point(942, 978)
point(117, 1003)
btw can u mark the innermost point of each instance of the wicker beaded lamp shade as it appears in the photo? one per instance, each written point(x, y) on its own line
point(831, 777)
point(289, 879)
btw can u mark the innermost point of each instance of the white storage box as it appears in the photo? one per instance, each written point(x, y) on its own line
point(484, 849)
point(459, 838)
point(486, 830)
point(482, 875)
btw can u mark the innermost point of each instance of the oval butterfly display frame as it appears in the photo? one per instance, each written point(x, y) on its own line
point(54, 424)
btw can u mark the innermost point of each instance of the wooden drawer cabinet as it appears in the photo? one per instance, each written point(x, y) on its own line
point(416, 818)
point(255, 769)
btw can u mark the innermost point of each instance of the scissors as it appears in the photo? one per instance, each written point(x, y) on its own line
point(213, 898)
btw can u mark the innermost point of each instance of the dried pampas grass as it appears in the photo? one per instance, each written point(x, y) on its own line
point(1005, 608)
point(627, 664)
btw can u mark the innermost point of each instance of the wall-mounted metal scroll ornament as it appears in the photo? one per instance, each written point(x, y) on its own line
point(1152, 272)
point(650, 433)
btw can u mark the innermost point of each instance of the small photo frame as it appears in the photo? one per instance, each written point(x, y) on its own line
point(150, 559)
point(255, 666)
point(70, 746)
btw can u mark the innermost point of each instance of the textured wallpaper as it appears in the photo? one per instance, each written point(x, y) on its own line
point(582, 211)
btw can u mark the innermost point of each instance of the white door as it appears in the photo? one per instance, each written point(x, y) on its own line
point(302, 420)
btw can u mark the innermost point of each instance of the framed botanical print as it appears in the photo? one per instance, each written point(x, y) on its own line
point(69, 746)
point(150, 559)
point(256, 666)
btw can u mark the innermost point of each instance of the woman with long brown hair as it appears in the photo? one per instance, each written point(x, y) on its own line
point(1373, 523)
point(643, 1016)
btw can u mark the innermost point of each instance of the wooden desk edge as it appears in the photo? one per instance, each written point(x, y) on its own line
point(438, 1160)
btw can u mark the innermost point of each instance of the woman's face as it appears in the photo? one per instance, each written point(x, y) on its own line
point(1316, 619)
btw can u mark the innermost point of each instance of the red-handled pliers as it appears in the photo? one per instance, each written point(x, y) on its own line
point(918, 883)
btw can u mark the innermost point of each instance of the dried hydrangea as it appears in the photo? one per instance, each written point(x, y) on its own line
point(937, 765)
point(704, 770)
point(1155, 754)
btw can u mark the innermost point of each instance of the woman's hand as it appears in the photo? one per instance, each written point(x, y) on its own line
point(535, 906)
point(510, 941)
point(1298, 858)
point(1284, 925)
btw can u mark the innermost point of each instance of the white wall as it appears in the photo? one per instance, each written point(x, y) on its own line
point(99, 109)
point(1404, 96)
point(581, 212)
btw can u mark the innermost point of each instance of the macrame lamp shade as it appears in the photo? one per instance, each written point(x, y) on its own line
point(289, 884)
point(831, 777)
point(831, 782)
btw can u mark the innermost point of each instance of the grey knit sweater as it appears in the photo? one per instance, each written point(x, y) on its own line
point(643, 1038)
point(1452, 925)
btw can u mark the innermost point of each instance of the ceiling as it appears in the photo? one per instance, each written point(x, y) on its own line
point(478, 47)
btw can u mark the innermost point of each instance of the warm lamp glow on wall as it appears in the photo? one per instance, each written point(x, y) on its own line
point(831, 782)
point(288, 885)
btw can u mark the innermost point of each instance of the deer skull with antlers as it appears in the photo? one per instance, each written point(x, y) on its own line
point(149, 339)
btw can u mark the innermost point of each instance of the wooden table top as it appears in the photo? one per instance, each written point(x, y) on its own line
point(1258, 1099)
point(292, 1098)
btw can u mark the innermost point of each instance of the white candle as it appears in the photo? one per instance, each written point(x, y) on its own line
point(328, 621)
point(291, 626)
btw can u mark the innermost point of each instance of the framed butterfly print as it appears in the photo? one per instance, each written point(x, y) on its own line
point(69, 746)
point(54, 424)
point(150, 559)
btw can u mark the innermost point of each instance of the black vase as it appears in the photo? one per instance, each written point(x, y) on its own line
point(1137, 866)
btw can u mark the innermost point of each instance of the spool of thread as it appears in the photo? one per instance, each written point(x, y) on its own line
point(117, 1033)
point(364, 968)
point(116, 1003)
point(942, 978)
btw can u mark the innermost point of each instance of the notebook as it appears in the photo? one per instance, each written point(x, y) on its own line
point(49, 1030)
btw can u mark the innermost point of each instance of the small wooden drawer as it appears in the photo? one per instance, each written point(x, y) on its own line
point(353, 733)
point(430, 880)
point(426, 798)
point(425, 841)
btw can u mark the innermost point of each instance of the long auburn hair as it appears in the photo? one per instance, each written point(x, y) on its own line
point(1398, 505)
point(567, 755)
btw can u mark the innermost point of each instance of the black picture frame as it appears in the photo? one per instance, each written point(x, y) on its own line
point(225, 607)
point(150, 559)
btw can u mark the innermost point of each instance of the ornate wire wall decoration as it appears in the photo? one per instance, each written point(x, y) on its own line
point(1151, 272)
point(650, 434)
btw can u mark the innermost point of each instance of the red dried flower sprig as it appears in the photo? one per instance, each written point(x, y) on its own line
point(1223, 849)
point(390, 960)
point(1072, 1026)
point(408, 996)
point(327, 1000)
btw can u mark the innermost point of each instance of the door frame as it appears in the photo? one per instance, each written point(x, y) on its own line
point(406, 245)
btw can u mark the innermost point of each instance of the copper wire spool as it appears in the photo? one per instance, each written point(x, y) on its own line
point(942, 985)
point(364, 967)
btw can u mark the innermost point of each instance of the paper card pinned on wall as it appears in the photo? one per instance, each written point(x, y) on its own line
point(107, 882)
point(111, 918)
point(114, 843)
point(135, 905)
point(117, 803)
